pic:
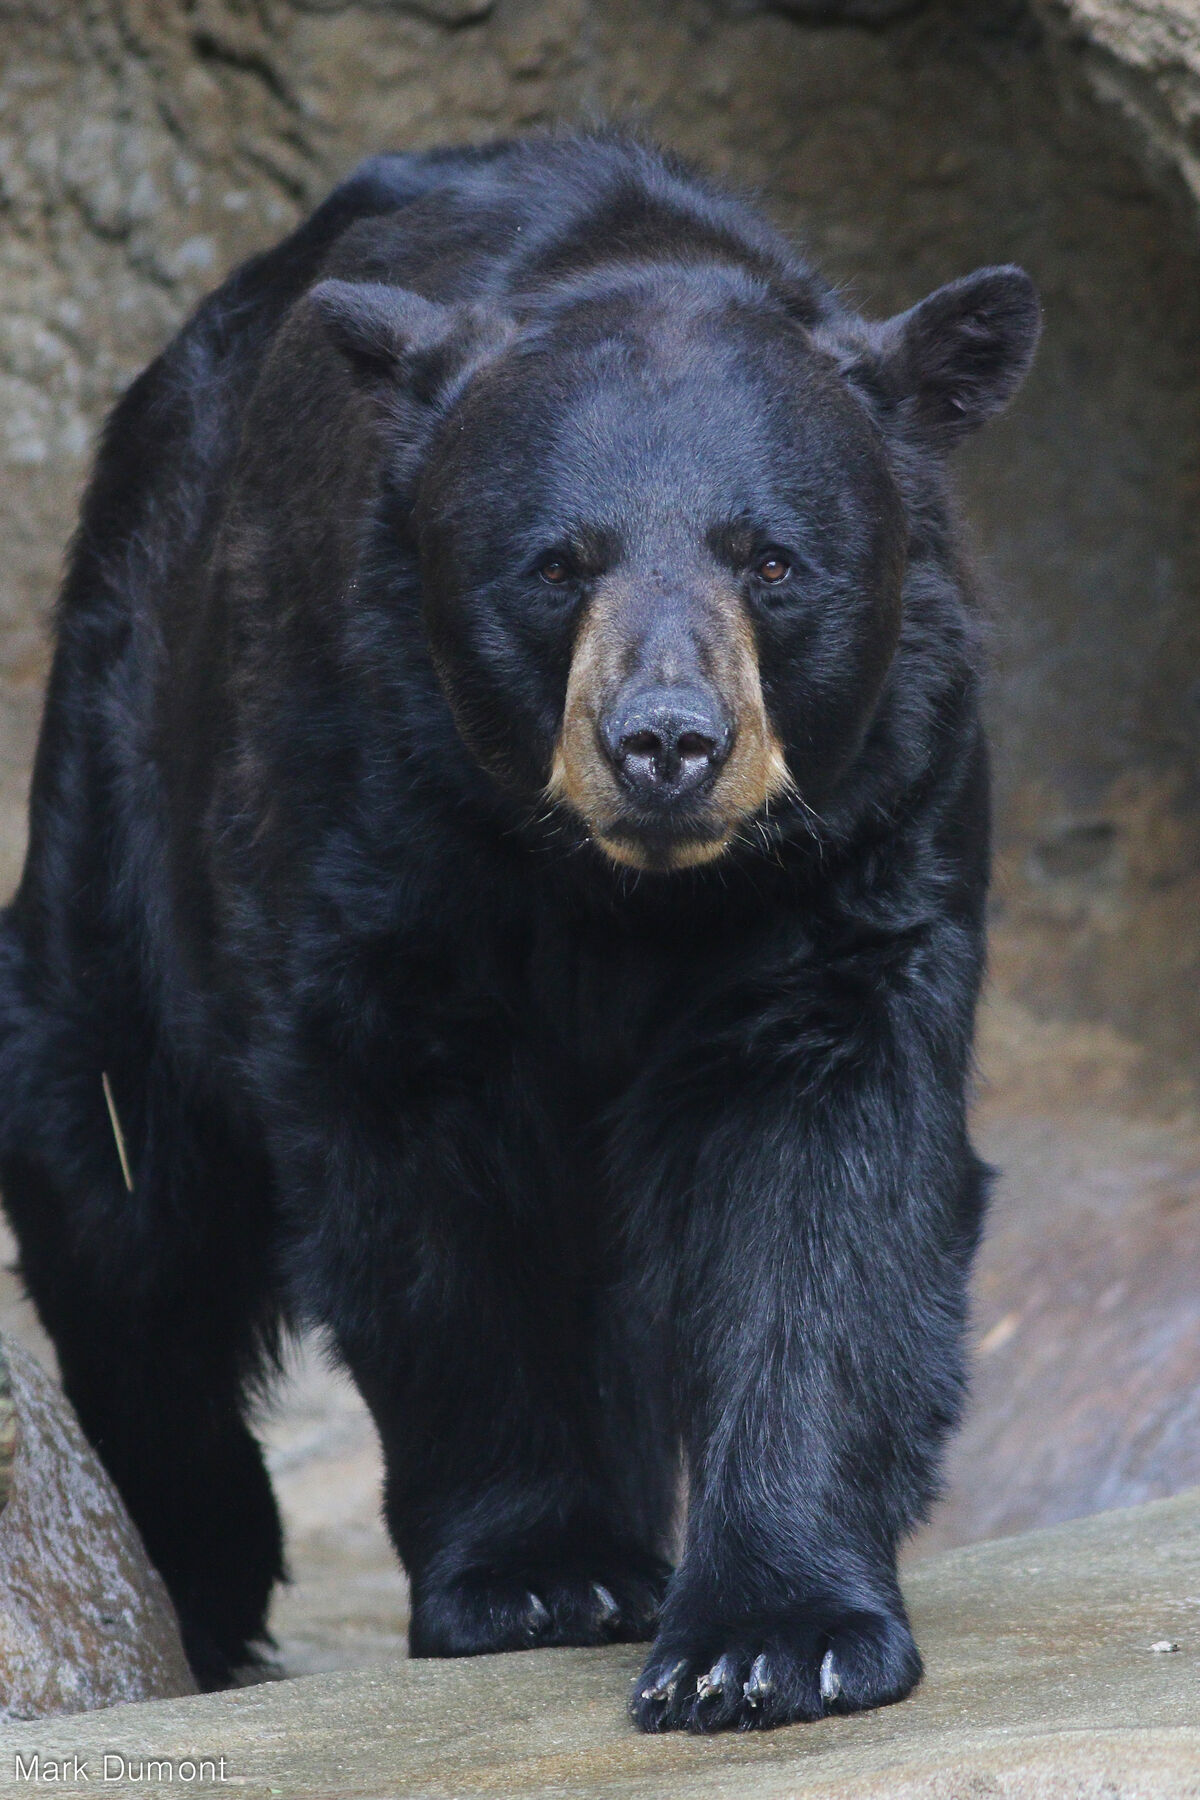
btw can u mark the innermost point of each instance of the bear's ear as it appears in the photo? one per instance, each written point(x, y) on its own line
point(960, 355)
point(393, 336)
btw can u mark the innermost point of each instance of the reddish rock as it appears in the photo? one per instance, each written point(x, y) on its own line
point(1086, 1387)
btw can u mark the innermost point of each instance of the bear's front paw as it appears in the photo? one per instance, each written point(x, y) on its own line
point(819, 1660)
point(530, 1607)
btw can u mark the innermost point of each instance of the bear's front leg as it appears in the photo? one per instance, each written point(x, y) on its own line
point(461, 1271)
point(811, 1223)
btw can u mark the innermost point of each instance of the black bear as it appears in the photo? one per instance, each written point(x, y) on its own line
point(505, 885)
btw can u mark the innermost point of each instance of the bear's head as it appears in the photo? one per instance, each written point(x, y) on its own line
point(662, 528)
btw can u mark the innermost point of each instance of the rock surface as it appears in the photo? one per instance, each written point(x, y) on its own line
point(1042, 1684)
point(84, 1619)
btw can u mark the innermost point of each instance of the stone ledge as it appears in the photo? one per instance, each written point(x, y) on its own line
point(1042, 1683)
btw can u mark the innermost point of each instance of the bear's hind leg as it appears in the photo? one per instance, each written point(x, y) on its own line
point(158, 1304)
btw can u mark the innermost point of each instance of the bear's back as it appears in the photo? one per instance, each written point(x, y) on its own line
point(520, 220)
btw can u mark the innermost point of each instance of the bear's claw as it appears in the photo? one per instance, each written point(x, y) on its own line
point(607, 1608)
point(664, 1687)
point(538, 1613)
point(712, 1684)
point(759, 1684)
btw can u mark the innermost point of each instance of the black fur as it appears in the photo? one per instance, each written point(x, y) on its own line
point(579, 1167)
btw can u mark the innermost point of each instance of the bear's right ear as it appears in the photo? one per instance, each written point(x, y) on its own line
point(393, 336)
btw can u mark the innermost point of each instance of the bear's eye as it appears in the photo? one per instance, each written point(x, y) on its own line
point(554, 570)
point(772, 568)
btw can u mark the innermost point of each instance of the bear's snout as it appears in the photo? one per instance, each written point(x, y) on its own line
point(666, 743)
point(665, 747)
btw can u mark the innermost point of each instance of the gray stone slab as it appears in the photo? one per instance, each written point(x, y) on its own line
point(1043, 1682)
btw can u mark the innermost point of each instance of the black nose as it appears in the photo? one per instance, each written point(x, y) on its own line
point(666, 742)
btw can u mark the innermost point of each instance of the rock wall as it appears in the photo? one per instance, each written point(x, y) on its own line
point(145, 147)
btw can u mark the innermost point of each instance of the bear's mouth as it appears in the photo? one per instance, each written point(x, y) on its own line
point(661, 849)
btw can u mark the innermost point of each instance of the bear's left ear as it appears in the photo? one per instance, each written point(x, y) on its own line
point(960, 355)
point(392, 336)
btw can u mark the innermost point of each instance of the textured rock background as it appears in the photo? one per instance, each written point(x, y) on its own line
point(84, 1619)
